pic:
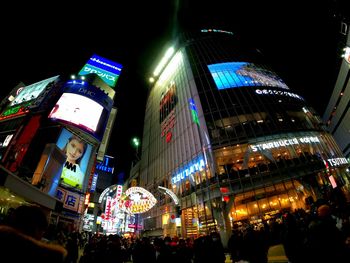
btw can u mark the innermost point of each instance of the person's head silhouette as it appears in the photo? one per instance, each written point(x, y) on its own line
point(30, 220)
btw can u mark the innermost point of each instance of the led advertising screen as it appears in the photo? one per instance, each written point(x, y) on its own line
point(83, 106)
point(33, 91)
point(242, 74)
point(78, 110)
point(107, 70)
point(78, 153)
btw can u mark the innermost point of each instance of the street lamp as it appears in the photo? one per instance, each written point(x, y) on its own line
point(136, 144)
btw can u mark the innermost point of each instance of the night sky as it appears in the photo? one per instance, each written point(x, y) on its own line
point(300, 40)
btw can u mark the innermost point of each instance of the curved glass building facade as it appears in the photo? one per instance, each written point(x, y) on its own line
point(231, 140)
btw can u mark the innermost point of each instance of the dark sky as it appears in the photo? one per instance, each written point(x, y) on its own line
point(40, 42)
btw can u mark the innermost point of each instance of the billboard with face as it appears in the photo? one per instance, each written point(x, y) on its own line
point(77, 153)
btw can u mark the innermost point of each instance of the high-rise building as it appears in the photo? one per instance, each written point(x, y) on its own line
point(231, 140)
point(337, 113)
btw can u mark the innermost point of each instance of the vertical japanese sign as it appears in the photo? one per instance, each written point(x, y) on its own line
point(167, 105)
point(69, 199)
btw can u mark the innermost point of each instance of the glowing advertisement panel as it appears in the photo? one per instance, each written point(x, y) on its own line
point(195, 165)
point(78, 154)
point(78, 110)
point(69, 199)
point(243, 74)
point(107, 70)
point(15, 111)
point(138, 200)
point(33, 91)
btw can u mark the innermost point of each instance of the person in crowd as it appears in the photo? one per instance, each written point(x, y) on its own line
point(163, 250)
point(22, 238)
point(293, 239)
point(144, 251)
point(184, 253)
point(324, 241)
point(74, 150)
point(72, 247)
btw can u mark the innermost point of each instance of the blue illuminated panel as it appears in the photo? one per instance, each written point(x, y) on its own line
point(196, 165)
point(243, 74)
point(107, 165)
point(107, 70)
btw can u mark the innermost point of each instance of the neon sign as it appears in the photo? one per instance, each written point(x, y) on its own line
point(278, 92)
point(6, 141)
point(15, 111)
point(104, 193)
point(283, 142)
point(107, 70)
point(103, 166)
point(216, 30)
point(138, 200)
point(94, 183)
point(337, 161)
point(194, 112)
point(170, 193)
point(197, 166)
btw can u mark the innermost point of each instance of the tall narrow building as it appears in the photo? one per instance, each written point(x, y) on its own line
point(337, 113)
point(231, 140)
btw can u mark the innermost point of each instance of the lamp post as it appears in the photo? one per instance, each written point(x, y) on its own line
point(136, 144)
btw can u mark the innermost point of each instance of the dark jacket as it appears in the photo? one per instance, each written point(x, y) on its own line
point(17, 247)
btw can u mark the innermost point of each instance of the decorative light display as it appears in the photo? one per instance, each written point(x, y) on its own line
point(170, 193)
point(138, 200)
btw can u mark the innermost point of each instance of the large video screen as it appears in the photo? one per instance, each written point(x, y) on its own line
point(242, 74)
point(78, 110)
point(78, 153)
point(32, 91)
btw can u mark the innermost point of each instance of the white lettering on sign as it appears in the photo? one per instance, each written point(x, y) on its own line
point(197, 166)
point(337, 161)
point(99, 73)
point(171, 194)
point(283, 143)
point(278, 92)
point(87, 92)
point(104, 63)
point(6, 142)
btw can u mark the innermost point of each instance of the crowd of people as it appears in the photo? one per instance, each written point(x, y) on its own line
point(319, 235)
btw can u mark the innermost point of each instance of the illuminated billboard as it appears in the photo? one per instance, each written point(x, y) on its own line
point(243, 74)
point(78, 154)
point(83, 106)
point(78, 110)
point(15, 111)
point(33, 91)
point(107, 70)
point(138, 200)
